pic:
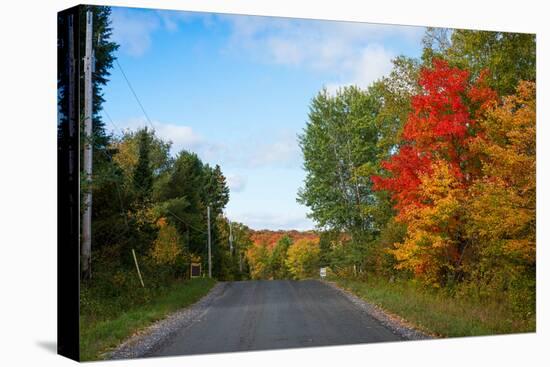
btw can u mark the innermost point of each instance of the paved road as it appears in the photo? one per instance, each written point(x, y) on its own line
point(260, 315)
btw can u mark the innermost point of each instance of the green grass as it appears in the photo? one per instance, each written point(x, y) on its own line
point(107, 324)
point(439, 313)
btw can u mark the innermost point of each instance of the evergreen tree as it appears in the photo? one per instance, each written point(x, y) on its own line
point(216, 192)
point(180, 195)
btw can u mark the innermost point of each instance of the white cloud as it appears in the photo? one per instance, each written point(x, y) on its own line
point(281, 151)
point(349, 52)
point(319, 45)
point(182, 138)
point(373, 63)
point(274, 221)
point(172, 19)
point(132, 29)
point(236, 183)
point(353, 53)
point(284, 52)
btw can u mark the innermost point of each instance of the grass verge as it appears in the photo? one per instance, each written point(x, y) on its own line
point(437, 313)
point(101, 331)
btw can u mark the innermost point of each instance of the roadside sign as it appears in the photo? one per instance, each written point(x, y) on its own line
point(323, 272)
point(195, 270)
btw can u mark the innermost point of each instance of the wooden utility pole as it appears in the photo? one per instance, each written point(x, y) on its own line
point(240, 262)
point(209, 244)
point(86, 247)
point(230, 240)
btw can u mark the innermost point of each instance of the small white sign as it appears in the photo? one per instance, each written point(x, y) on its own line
point(323, 272)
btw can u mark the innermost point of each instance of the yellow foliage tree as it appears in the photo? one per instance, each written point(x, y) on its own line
point(432, 247)
point(127, 151)
point(303, 259)
point(126, 156)
point(167, 246)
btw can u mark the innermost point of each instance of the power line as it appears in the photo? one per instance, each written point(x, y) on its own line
point(112, 122)
point(134, 93)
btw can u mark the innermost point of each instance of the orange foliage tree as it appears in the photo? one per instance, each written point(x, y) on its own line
point(258, 257)
point(432, 243)
point(502, 202)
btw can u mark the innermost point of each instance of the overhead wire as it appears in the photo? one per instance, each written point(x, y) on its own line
point(135, 94)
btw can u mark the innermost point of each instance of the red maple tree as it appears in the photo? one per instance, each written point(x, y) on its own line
point(440, 126)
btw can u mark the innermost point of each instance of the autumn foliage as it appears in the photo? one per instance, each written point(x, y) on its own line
point(502, 202)
point(270, 238)
point(303, 259)
point(463, 180)
point(432, 246)
point(167, 247)
point(439, 128)
point(283, 254)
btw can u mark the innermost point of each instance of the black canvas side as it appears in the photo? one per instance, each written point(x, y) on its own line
point(68, 198)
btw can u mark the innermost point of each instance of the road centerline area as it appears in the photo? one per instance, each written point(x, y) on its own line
point(276, 314)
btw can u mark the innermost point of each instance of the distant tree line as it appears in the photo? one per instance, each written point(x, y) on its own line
point(286, 259)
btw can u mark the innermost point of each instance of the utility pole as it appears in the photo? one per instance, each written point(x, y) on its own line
point(230, 239)
point(209, 244)
point(240, 262)
point(86, 248)
point(238, 249)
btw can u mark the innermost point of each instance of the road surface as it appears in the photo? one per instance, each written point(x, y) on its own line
point(261, 315)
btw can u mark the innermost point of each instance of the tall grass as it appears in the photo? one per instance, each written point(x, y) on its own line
point(439, 312)
point(106, 320)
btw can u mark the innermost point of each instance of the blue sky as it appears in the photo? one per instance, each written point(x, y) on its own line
point(236, 90)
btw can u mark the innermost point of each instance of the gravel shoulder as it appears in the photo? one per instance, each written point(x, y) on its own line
point(396, 324)
point(147, 341)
